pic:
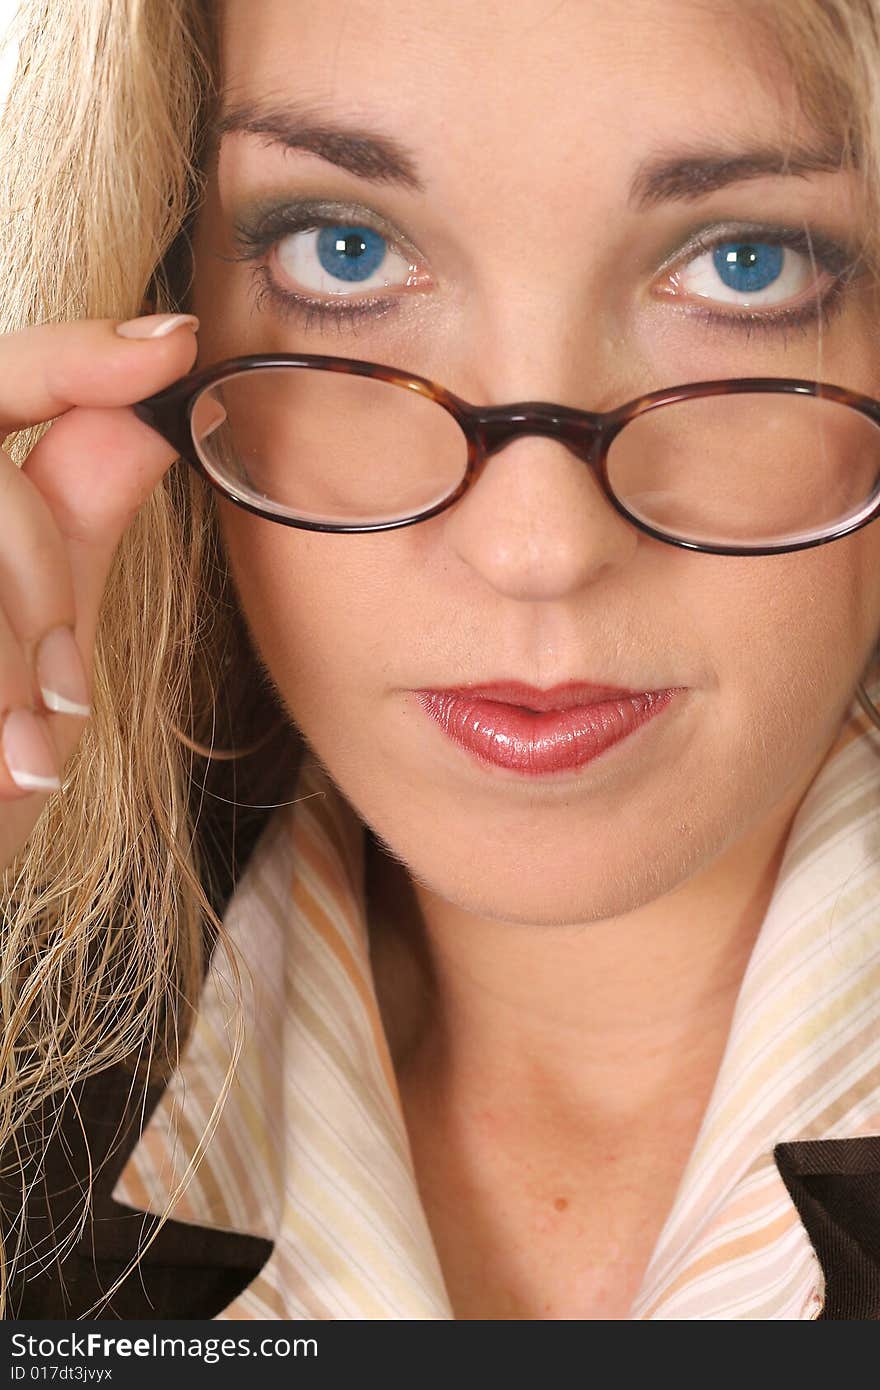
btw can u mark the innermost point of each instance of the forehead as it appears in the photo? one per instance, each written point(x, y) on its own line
point(505, 81)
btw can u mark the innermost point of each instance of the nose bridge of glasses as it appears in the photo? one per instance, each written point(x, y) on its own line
point(497, 426)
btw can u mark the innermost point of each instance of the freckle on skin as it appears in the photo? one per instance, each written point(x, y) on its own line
point(560, 1203)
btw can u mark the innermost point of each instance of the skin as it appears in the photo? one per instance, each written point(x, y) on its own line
point(556, 963)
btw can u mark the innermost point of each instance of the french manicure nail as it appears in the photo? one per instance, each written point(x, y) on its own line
point(28, 751)
point(61, 675)
point(155, 325)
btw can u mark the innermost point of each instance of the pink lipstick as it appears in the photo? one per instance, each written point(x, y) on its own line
point(535, 732)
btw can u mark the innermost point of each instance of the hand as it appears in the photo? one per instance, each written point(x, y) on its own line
point(62, 515)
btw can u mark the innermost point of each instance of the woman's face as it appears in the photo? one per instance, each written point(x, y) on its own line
point(537, 279)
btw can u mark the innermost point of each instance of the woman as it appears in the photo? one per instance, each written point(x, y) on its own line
point(539, 1003)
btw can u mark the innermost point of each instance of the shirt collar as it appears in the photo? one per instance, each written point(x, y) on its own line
point(310, 1149)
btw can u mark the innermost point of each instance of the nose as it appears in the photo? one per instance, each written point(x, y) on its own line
point(535, 523)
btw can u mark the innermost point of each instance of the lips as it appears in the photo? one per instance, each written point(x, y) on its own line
point(568, 695)
point(509, 733)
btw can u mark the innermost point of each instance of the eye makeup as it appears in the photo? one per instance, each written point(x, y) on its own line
point(257, 233)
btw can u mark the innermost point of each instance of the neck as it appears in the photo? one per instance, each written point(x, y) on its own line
point(611, 1018)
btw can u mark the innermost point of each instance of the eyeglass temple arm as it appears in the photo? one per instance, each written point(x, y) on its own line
point(164, 413)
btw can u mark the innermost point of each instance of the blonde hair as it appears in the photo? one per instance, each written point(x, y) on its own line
point(108, 913)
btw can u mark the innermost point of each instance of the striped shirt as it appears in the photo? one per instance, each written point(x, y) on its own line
point(310, 1147)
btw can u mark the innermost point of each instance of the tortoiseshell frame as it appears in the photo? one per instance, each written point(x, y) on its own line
point(488, 428)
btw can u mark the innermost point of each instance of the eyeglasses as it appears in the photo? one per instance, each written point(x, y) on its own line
point(747, 466)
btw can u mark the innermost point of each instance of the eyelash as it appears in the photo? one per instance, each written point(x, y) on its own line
point(254, 242)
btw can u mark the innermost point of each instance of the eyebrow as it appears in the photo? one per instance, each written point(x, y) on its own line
point(368, 154)
point(661, 177)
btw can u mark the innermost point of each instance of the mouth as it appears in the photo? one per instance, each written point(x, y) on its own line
point(566, 695)
point(541, 732)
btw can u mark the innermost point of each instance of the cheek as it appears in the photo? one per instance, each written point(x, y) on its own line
point(320, 609)
point(790, 635)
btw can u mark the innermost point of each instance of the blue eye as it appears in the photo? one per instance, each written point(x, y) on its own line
point(350, 253)
point(319, 255)
point(748, 267)
point(750, 272)
point(336, 258)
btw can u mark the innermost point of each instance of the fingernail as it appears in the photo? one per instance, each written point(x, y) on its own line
point(28, 751)
point(60, 673)
point(155, 325)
